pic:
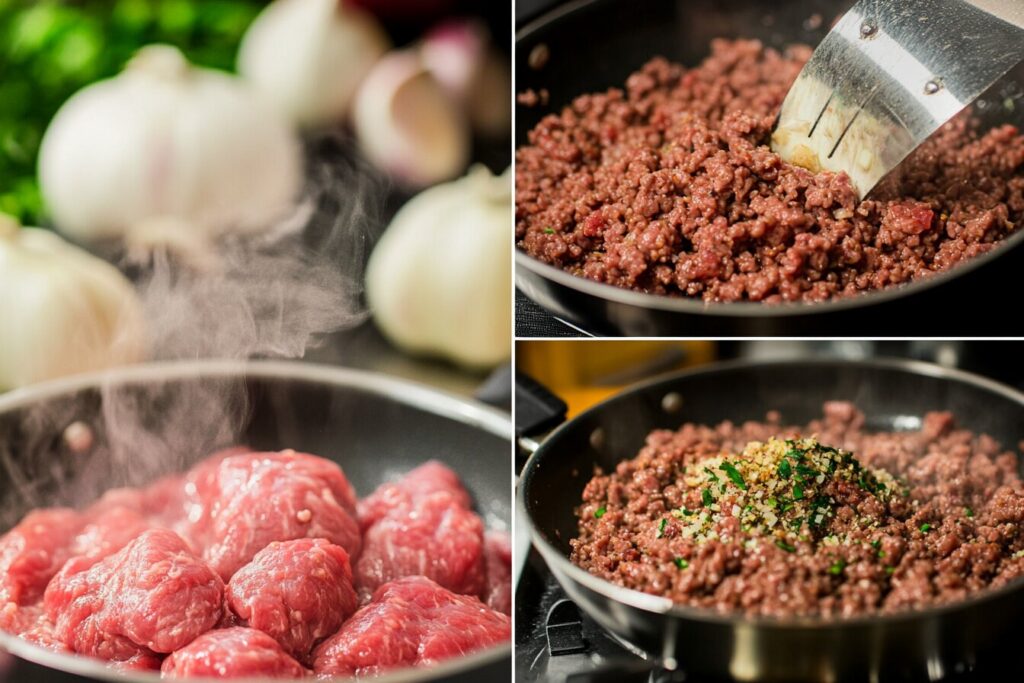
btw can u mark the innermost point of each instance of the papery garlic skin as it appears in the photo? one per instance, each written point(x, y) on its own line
point(460, 56)
point(307, 57)
point(166, 140)
point(408, 125)
point(439, 281)
point(63, 311)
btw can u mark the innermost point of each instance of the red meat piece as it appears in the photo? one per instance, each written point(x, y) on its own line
point(410, 622)
point(436, 537)
point(422, 525)
point(33, 551)
point(498, 549)
point(153, 595)
point(109, 530)
point(29, 622)
point(298, 592)
point(232, 653)
point(245, 502)
point(430, 477)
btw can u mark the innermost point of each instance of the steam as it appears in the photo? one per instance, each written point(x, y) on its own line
point(276, 295)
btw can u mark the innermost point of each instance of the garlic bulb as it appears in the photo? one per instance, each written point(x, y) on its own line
point(459, 54)
point(307, 57)
point(63, 310)
point(167, 141)
point(440, 279)
point(408, 125)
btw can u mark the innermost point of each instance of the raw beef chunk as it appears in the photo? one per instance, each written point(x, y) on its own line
point(498, 548)
point(298, 591)
point(410, 622)
point(108, 530)
point(421, 526)
point(154, 595)
point(245, 502)
point(33, 551)
point(232, 653)
point(430, 477)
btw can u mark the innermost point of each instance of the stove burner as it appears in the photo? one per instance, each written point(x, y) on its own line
point(564, 629)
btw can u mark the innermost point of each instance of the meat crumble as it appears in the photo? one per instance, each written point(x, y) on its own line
point(825, 519)
point(668, 186)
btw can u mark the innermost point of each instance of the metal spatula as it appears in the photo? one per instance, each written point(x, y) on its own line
point(888, 74)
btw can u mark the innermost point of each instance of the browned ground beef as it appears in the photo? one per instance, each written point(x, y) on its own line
point(669, 187)
point(958, 531)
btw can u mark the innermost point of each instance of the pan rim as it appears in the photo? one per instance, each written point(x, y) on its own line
point(414, 394)
point(692, 306)
point(665, 606)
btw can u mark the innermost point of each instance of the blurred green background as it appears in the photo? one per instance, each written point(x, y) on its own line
point(50, 49)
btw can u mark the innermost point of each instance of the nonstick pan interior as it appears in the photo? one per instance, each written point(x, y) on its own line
point(927, 644)
point(893, 395)
point(592, 45)
point(157, 419)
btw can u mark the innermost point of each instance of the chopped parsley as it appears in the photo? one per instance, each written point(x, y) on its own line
point(706, 498)
point(661, 527)
point(734, 475)
point(599, 513)
point(968, 511)
point(549, 231)
point(798, 492)
point(837, 567)
point(785, 471)
point(682, 563)
point(890, 570)
point(785, 546)
point(926, 527)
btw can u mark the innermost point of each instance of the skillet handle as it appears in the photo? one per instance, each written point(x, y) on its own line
point(537, 409)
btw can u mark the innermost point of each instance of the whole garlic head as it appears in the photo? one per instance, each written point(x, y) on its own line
point(440, 279)
point(307, 57)
point(63, 310)
point(167, 141)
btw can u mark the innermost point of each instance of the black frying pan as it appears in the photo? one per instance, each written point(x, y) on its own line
point(146, 423)
point(592, 45)
point(929, 644)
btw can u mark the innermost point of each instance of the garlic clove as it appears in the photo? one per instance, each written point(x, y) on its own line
point(307, 57)
point(408, 125)
point(452, 51)
point(459, 55)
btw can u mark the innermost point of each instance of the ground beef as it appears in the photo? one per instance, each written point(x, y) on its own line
point(299, 592)
point(153, 596)
point(956, 529)
point(410, 622)
point(669, 187)
point(232, 653)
